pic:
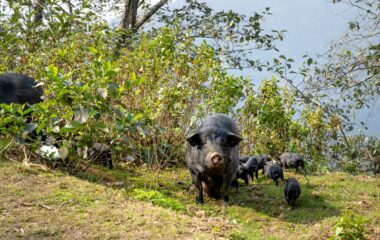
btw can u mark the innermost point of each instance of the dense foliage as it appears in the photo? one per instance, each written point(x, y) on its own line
point(144, 100)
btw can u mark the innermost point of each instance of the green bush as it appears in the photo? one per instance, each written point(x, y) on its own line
point(146, 98)
point(142, 103)
point(350, 227)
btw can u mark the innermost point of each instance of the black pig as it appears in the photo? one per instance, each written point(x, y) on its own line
point(256, 163)
point(247, 167)
point(212, 156)
point(18, 88)
point(21, 89)
point(243, 159)
point(274, 171)
point(292, 160)
point(242, 173)
point(261, 161)
point(292, 191)
point(252, 166)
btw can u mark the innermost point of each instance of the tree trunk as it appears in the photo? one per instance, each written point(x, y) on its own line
point(129, 23)
point(129, 19)
point(38, 11)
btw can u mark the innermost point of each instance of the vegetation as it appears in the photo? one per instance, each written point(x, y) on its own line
point(350, 227)
point(141, 91)
point(147, 98)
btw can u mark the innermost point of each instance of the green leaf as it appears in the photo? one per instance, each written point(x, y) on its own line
point(309, 61)
point(53, 70)
point(41, 126)
point(338, 231)
point(63, 152)
point(93, 50)
point(73, 125)
point(81, 115)
point(103, 127)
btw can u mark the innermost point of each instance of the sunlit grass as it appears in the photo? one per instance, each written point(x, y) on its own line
point(103, 201)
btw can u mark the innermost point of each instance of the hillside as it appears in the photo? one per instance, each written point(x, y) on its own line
point(138, 203)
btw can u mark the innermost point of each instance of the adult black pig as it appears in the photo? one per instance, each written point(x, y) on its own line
point(292, 160)
point(212, 156)
point(292, 191)
point(18, 88)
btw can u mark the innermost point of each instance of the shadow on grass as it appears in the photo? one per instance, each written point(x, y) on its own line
point(118, 177)
point(171, 188)
point(269, 199)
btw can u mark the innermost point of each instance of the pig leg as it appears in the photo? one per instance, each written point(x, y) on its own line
point(303, 169)
point(235, 184)
point(198, 187)
point(246, 180)
point(110, 164)
point(224, 190)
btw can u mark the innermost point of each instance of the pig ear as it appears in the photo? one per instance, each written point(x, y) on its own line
point(194, 139)
point(233, 139)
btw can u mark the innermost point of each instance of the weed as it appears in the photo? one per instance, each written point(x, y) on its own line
point(157, 198)
point(350, 227)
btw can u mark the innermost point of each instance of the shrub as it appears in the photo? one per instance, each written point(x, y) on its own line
point(350, 227)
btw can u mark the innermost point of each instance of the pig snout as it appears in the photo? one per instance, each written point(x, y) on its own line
point(216, 158)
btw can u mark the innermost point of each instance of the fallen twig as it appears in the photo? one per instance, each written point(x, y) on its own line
point(26, 204)
point(64, 203)
point(45, 206)
point(36, 204)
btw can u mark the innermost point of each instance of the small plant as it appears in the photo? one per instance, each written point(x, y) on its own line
point(350, 227)
point(157, 198)
point(236, 235)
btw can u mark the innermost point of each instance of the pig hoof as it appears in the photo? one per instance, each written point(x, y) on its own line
point(199, 200)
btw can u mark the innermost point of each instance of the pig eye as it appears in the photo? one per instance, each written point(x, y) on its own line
point(201, 145)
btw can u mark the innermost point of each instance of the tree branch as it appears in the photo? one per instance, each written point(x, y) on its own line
point(308, 99)
point(149, 14)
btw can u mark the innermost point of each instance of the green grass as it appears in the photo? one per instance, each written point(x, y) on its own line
point(141, 203)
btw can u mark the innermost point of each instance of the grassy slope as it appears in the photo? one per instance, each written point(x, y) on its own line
point(144, 204)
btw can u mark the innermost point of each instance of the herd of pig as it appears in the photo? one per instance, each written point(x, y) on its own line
point(212, 154)
point(213, 160)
